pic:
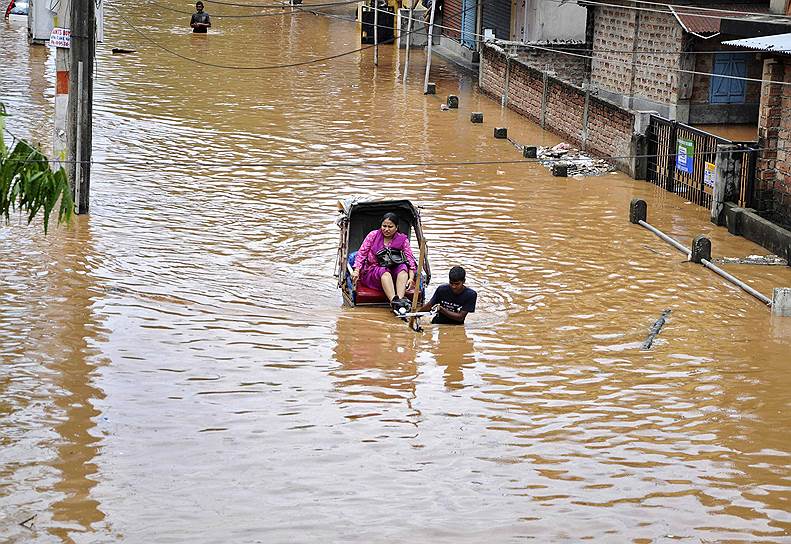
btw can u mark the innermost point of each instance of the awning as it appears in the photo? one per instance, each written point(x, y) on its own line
point(779, 43)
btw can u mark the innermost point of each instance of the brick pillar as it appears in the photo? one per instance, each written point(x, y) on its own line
point(769, 121)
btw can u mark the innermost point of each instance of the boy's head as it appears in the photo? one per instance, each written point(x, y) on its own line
point(456, 278)
point(199, 6)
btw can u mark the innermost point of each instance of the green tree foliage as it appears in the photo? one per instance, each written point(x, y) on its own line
point(27, 182)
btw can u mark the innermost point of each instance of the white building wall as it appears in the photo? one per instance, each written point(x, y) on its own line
point(546, 20)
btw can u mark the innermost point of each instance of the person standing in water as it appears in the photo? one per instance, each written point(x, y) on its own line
point(454, 299)
point(200, 21)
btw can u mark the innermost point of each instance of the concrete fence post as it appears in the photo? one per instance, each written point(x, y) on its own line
point(544, 98)
point(507, 83)
point(781, 301)
point(701, 249)
point(587, 89)
point(725, 175)
point(639, 144)
point(638, 211)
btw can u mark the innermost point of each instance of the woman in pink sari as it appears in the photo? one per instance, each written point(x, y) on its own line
point(375, 270)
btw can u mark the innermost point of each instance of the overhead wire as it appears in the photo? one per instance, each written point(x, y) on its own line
point(267, 14)
point(235, 67)
point(687, 9)
point(616, 61)
point(522, 44)
point(393, 163)
point(308, 8)
point(274, 66)
point(281, 5)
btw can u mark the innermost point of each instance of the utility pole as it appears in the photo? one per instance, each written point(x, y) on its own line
point(79, 134)
point(59, 144)
point(430, 42)
point(408, 37)
point(375, 4)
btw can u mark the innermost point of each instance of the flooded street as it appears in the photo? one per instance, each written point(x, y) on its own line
point(178, 367)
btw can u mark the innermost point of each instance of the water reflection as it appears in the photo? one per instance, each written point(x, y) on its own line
point(48, 385)
point(454, 350)
point(378, 370)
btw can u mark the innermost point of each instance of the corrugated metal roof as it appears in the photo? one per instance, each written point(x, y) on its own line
point(706, 23)
point(779, 43)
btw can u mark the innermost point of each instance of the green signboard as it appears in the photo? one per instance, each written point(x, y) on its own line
point(685, 155)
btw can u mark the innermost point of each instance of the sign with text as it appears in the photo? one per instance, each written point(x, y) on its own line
point(685, 155)
point(708, 174)
point(60, 37)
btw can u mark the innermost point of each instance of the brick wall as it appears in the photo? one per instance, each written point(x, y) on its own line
point(630, 53)
point(544, 56)
point(610, 128)
point(656, 75)
point(774, 137)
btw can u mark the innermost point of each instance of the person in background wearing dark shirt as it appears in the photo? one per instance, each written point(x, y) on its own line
point(200, 21)
point(455, 300)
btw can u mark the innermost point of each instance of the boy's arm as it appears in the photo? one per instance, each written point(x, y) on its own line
point(430, 304)
point(459, 316)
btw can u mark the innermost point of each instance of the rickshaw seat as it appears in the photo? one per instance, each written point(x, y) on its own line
point(368, 295)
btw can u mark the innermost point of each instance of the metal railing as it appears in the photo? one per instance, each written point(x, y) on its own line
point(682, 158)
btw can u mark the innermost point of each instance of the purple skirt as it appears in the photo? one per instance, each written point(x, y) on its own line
point(372, 277)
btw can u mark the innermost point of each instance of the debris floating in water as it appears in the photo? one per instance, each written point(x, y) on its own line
point(577, 162)
point(654, 331)
point(767, 260)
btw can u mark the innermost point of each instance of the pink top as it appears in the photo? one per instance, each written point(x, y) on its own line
point(374, 242)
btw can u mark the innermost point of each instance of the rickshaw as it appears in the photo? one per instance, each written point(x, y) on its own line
point(357, 219)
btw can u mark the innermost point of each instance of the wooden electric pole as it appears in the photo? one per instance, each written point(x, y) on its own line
point(79, 122)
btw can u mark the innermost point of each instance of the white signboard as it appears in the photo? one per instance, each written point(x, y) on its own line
point(60, 37)
point(709, 173)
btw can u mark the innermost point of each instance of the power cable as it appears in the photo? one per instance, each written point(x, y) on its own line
point(523, 44)
point(282, 5)
point(686, 9)
point(286, 164)
point(624, 63)
point(308, 8)
point(275, 66)
point(268, 14)
point(232, 67)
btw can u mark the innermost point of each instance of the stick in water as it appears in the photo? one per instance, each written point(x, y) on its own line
point(413, 322)
point(654, 331)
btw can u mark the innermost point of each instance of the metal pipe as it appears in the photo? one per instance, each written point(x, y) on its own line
point(708, 264)
point(667, 239)
point(737, 282)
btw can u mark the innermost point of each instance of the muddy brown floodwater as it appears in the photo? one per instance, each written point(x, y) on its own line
point(178, 366)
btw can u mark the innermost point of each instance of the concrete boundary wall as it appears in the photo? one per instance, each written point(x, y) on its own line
point(610, 131)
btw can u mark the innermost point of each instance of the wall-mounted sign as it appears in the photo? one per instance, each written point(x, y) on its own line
point(685, 155)
point(708, 174)
point(60, 37)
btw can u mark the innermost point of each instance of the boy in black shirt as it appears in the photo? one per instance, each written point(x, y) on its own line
point(454, 299)
point(200, 21)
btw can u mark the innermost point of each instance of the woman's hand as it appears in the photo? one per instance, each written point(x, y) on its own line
point(410, 283)
point(355, 277)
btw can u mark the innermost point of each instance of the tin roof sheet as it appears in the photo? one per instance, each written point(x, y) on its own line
point(779, 43)
point(706, 23)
